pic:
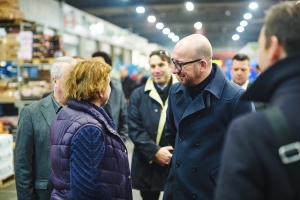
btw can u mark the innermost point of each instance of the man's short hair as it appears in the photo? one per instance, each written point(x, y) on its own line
point(164, 55)
point(283, 21)
point(56, 66)
point(240, 57)
point(104, 55)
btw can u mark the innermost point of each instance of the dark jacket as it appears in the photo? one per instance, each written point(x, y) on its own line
point(70, 121)
point(32, 161)
point(118, 108)
point(196, 129)
point(144, 113)
point(258, 105)
point(251, 166)
point(128, 86)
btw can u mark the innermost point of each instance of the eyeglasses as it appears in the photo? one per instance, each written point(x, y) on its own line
point(179, 65)
point(159, 52)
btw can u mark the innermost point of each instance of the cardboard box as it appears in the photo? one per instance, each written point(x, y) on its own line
point(10, 3)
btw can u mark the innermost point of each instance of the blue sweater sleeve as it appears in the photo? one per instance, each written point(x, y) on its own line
point(86, 156)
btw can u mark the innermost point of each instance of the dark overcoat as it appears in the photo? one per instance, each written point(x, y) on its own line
point(144, 112)
point(251, 165)
point(196, 129)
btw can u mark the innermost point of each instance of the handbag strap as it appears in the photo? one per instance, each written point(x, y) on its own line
point(289, 151)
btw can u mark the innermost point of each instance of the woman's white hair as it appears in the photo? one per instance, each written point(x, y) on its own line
point(61, 62)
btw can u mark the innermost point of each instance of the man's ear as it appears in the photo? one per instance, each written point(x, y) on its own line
point(275, 49)
point(203, 65)
point(54, 80)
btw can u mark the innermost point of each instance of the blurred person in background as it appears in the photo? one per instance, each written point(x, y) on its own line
point(146, 121)
point(256, 164)
point(88, 157)
point(240, 70)
point(200, 109)
point(32, 160)
point(116, 106)
point(128, 84)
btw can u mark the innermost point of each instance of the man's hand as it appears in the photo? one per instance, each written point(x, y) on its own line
point(163, 155)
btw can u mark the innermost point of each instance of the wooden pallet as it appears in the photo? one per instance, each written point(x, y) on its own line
point(38, 61)
point(7, 181)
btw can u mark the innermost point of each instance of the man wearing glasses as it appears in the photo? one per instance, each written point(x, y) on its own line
point(146, 121)
point(200, 109)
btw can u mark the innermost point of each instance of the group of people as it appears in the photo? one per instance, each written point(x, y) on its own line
point(195, 133)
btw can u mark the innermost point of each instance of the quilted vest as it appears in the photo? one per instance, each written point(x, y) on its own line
point(115, 175)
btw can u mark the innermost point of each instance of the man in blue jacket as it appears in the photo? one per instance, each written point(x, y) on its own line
point(200, 109)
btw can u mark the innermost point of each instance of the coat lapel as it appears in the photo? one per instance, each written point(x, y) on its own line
point(47, 110)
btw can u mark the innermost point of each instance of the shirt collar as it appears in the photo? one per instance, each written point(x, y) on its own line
point(245, 85)
point(56, 105)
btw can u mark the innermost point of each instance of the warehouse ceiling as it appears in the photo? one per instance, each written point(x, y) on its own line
point(219, 18)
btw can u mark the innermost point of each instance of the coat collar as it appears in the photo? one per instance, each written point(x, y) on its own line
point(87, 107)
point(265, 85)
point(47, 109)
point(215, 86)
point(153, 93)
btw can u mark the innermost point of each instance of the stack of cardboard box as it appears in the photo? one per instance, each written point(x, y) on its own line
point(9, 10)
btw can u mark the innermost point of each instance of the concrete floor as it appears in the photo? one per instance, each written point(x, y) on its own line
point(9, 193)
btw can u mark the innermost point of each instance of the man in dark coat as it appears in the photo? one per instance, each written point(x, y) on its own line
point(116, 106)
point(32, 160)
point(146, 120)
point(240, 71)
point(251, 165)
point(128, 84)
point(200, 108)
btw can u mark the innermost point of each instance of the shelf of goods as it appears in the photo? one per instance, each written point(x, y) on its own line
point(6, 160)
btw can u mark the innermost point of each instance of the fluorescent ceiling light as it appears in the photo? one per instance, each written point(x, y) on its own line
point(235, 37)
point(151, 19)
point(198, 25)
point(247, 16)
point(140, 9)
point(189, 6)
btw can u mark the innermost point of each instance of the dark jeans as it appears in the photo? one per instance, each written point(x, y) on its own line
point(150, 195)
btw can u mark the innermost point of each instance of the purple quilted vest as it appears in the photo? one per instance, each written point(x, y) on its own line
point(115, 176)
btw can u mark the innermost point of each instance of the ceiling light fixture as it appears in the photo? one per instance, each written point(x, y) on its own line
point(227, 13)
point(151, 19)
point(198, 25)
point(248, 16)
point(243, 23)
point(253, 5)
point(189, 6)
point(159, 25)
point(166, 31)
point(140, 9)
point(175, 38)
point(171, 35)
point(240, 29)
point(235, 37)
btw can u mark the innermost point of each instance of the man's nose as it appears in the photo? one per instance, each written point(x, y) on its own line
point(175, 70)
